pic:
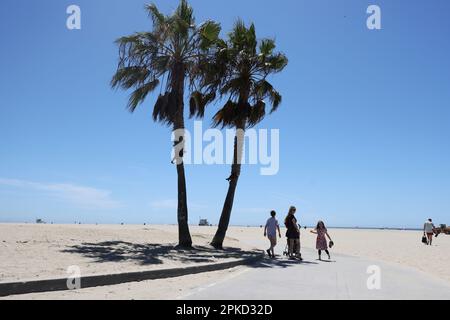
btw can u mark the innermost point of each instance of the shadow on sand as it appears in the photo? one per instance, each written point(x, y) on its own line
point(149, 253)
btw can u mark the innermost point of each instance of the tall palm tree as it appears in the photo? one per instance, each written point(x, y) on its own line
point(166, 57)
point(238, 71)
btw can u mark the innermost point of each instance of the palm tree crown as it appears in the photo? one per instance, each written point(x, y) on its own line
point(238, 71)
point(165, 56)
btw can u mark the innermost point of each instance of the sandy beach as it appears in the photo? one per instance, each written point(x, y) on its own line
point(31, 251)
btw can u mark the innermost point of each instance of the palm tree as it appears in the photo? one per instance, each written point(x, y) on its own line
point(238, 71)
point(166, 57)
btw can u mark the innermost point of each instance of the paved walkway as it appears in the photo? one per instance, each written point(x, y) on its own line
point(343, 277)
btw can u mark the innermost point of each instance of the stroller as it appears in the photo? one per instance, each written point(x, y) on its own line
point(286, 251)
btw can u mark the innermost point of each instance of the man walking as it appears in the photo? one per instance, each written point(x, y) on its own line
point(270, 230)
point(428, 231)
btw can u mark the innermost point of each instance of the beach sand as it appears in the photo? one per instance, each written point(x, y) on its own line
point(40, 251)
point(30, 251)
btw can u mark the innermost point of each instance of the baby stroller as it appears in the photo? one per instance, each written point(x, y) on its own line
point(286, 251)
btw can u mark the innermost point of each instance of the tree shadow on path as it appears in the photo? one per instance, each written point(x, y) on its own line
point(150, 253)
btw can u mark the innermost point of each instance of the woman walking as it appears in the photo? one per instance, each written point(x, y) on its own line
point(293, 234)
point(321, 241)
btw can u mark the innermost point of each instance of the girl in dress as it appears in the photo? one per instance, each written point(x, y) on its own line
point(321, 241)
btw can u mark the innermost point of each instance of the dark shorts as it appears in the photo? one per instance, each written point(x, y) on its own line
point(292, 234)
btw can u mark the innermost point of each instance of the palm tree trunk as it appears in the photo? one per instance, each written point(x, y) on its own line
point(224, 221)
point(184, 236)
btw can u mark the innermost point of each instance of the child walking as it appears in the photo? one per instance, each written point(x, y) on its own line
point(321, 241)
point(270, 230)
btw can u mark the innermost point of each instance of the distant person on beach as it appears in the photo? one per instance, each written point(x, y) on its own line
point(428, 231)
point(270, 231)
point(321, 241)
point(293, 234)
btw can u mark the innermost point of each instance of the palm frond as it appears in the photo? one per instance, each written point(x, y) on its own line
point(138, 95)
point(182, 21)
point(276, 62)
point(209, 34)
point(128, 77)
point(165, 108)
point(157, 17)
point(266, 47)
point(185, 12)
point(226, 116)
point(257, 113)
point(198, 103)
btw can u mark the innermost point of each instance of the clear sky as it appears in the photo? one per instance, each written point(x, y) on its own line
point(364, 124)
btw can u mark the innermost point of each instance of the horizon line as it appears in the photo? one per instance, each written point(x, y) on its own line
point(213, 225)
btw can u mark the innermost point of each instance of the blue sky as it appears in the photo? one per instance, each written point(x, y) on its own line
point(364, 124)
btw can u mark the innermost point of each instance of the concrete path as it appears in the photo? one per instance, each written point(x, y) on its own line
point(343, 277)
